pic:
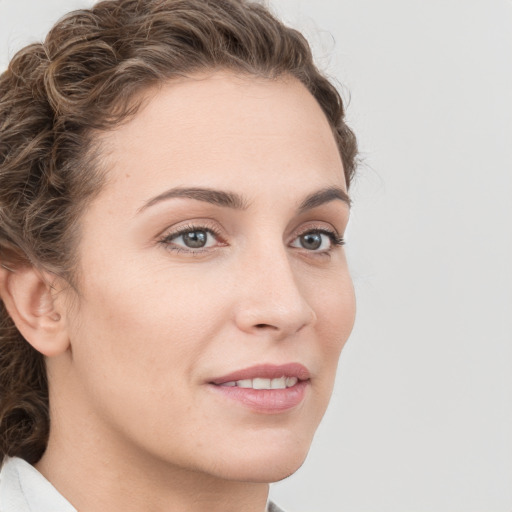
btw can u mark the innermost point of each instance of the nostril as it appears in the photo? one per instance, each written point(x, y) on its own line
point(264, 326)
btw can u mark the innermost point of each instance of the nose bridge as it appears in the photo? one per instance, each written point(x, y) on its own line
point(272, 299)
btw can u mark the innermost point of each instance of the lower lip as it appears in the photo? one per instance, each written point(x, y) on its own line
point(268, 401)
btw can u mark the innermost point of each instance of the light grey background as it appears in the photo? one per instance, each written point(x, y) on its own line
point(421, 418)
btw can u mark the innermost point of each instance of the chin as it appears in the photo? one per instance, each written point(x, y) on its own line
point(264, 465)
point(279, 473)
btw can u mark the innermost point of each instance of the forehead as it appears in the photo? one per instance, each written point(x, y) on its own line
point(223, 129)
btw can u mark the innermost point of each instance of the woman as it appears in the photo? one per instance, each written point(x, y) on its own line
point(175, 296)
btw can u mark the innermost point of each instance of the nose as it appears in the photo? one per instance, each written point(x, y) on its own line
point(270, 300)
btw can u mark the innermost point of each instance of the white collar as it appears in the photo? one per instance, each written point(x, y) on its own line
point(24, 489)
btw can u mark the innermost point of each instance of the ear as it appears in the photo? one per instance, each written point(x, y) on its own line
point(31, 301)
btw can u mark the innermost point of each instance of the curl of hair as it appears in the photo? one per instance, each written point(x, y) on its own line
point(85, 77)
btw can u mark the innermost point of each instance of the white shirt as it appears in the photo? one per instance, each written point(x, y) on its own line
point(24, 489)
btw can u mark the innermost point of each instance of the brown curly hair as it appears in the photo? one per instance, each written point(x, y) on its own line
point(85, 77)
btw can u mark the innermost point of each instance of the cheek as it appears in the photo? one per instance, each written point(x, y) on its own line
point(135, 344)
point(340, 313)
point(140, 326)
point(335, 309)
point(333, 300)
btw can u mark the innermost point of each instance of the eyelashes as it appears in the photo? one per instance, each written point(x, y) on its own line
point(200, 239)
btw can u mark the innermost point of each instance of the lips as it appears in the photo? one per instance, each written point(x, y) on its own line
point(265, 371)
point(262, 383)
point(267, 389)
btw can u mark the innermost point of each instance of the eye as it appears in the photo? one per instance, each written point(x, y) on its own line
point(318, 240)
point(194, 239)
point(191, 238)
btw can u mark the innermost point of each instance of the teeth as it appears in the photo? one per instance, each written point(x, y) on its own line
point(278, 383)
point(291, 381)
point(260, 383)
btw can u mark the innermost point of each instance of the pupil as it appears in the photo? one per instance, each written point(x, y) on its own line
point(311, 241)
point(195, 239)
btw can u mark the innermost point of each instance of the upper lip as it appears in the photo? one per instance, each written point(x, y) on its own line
point(266, 371)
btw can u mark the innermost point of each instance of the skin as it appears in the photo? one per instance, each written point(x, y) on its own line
point(135, 425)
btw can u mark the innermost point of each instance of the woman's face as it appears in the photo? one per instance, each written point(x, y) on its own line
point(210, 267)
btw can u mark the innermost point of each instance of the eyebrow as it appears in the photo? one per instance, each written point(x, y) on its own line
point(323, 196)
point(238, 202)
point(208, 195)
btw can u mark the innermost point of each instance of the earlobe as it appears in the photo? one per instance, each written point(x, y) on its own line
point(30, 301)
